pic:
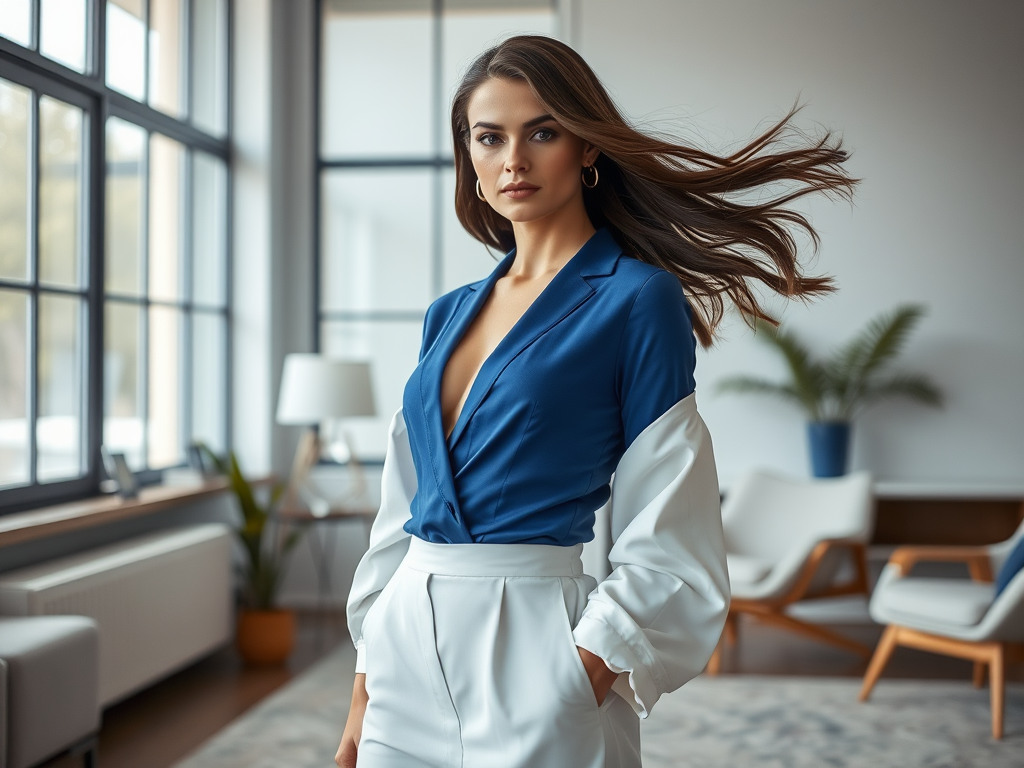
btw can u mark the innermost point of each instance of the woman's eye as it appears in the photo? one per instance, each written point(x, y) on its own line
point(487, 139)
point(545, 134)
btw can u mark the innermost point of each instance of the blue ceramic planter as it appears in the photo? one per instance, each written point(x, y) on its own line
point(830, 447)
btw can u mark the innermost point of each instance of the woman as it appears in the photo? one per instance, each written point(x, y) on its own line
point(480, 640)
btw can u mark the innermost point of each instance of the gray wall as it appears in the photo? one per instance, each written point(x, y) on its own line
point(930, 98)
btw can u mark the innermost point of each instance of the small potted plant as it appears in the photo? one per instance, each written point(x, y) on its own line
point(265, 633)
point(833, 391)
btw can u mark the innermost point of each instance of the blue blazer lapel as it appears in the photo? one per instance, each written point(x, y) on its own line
point(566, 291)
point(431, 373)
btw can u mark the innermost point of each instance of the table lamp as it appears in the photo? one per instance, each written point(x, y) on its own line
point(315, 389)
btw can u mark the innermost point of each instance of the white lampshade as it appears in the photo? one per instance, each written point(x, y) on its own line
point(315, 388)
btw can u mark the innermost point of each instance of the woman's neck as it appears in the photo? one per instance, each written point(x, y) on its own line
point(546, 245)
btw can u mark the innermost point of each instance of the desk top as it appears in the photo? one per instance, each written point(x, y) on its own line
point(952, 491)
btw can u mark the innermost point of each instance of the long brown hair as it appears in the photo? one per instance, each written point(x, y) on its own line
point(666, 204)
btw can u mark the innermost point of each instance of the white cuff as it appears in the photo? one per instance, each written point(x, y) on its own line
point(638, 687)
point(360, 658)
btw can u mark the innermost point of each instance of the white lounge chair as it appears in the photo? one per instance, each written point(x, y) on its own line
point(789, 540)
point(955, 617)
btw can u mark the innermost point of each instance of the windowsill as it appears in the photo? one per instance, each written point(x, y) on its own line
point(62, 518)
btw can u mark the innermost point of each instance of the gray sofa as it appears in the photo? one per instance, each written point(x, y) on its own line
point(49, 700)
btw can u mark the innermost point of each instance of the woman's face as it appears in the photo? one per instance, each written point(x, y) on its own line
point(529, 166)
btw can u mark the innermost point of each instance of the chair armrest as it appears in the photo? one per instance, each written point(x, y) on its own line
point(976, 558)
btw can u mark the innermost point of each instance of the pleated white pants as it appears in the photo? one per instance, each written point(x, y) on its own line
point(470, 663)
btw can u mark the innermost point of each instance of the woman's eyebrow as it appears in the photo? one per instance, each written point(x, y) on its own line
point(527, 124)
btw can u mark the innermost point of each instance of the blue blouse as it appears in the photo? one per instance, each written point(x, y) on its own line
point(604, 350)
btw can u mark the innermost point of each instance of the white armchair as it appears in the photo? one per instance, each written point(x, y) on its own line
point(955, 617)
point(789, 540)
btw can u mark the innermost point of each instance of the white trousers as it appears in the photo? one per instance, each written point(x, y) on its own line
point(471, 663)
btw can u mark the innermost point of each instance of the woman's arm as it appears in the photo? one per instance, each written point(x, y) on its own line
point(346, 755)
point(659, 615)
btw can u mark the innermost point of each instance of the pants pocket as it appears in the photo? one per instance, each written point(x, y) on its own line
point(575, 661)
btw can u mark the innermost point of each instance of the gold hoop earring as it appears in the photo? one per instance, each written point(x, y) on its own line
point(479, 192)
point(583, 176)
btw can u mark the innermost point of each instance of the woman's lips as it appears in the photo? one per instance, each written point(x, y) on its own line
point(517, 194)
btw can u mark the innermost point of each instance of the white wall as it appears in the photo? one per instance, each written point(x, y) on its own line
point(930, 98)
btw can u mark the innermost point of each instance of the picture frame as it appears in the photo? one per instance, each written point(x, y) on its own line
point(117, 469)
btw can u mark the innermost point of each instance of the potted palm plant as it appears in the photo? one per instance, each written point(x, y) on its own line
point(834, 390)
point(265, 633)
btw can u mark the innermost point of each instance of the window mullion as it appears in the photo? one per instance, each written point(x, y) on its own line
point(186, 255)
point(145, 61)
point(34, 33)
point(97, 274)
point(143, 361)
point(32, 387)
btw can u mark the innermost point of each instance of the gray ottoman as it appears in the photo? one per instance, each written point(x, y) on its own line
point(52, 696)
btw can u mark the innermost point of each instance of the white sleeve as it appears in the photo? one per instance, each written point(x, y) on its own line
point(657, 618)
point(388, 539)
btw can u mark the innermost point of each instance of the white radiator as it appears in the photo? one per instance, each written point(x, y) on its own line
point(160, 600)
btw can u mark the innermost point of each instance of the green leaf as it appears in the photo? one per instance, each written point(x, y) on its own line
point(912, 386)
point(809, 379)
point(755, 386)
point(851, 370)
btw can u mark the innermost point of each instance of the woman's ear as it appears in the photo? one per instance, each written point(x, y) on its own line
point(590, 154)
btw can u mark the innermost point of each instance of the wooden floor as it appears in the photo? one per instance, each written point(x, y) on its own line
point(162, 724)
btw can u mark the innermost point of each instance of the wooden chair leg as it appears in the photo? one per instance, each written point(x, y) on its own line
point(997, 682)
point(815, 632)
point(715, 662)
point(882, 653)
point(730, 629)
point(979, 674)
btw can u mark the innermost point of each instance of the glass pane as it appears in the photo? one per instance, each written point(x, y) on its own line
point(125, 216)
point(469, 28)
point(16, 25)
point(59, 425)
point(376, 252)
point(393, 349)
point(209, 388)
point(466, 259)
point(126, 47)
point(123, 428)
point(14, 453)
point(166, 160)
point(14, 141)
point(209, 65)
point(377, 78)
point(62, 31)
point(209, 218)
point(166, 81)
point(60, 193)
point(164, 429)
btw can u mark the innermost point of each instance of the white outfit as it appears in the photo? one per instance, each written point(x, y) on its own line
point(467, 647)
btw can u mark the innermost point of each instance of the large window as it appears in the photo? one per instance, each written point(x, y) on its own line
point(389, 241)
point(113, 239)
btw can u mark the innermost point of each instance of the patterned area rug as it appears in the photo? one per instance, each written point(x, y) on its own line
point(725, 722)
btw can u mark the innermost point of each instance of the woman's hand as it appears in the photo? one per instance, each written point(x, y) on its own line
point(346, 756)
point(601, 678)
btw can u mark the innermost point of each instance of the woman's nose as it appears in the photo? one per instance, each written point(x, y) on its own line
point(516, 159)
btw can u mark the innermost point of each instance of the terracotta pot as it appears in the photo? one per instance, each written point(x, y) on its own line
point(265, 637)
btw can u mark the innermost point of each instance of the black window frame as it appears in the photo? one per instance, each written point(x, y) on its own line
point(29, 68)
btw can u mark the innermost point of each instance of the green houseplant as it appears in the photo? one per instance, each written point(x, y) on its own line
point(265, 633)
point(833, 391)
